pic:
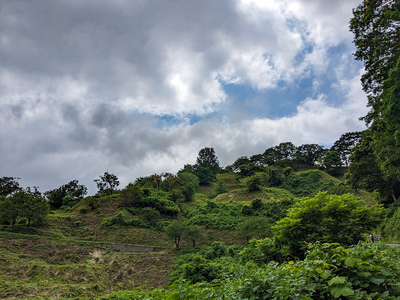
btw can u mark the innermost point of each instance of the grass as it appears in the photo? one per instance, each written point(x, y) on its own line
point(64, 258)
point(32, 267)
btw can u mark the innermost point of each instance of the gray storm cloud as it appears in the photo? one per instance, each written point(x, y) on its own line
point(88, 86)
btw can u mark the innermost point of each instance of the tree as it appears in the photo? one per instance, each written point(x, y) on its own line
point(24, 204)
point(67, 194)
point(207, 165)
point(207, 159)
point(326, 218)
point(308, 154)
point(132, 194)
point(107, 183)
point(255, 182)
point(331, 159)
point(386, 127)
point(192, 233)
point(157, 179)
point(11, 208)
point(9, 185)
point(175, 231)
point(376, 25)
point(284, 151)
point(345, 144)
point(35, 209)
point(365, 172)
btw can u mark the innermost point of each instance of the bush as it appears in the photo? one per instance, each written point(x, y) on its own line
point(305, 184)
point(326, 218)
point(390, 228)
point(150, 214)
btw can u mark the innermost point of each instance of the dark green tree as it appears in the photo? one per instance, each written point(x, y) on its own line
point(376, 28)
point(132, 194)
point(9, 185)
point(12, 207)
point(35, 208)
point(207, 165)
point(107, 183)
point(269, 156)
point(67, 194)
point(175, 231)
point(192, 233)
point(284, 151)
point(386, 128)
point(345, 144)
point(27, 204)
point(308, 154)
point(331, 160)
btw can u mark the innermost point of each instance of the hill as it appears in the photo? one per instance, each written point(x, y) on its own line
point(77, 252)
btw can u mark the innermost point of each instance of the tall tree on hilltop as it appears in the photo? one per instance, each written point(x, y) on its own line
point(107, 183)
point(207, 165)
point(345, 144)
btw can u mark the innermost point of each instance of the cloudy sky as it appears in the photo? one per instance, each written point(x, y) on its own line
point(138, 87)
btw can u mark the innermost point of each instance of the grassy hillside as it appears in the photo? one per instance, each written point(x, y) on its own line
point(67, 256)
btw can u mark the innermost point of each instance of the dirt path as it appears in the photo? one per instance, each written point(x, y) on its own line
point(129, 248)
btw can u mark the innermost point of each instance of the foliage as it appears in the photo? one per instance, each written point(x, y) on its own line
point(329, 271)
point(175, 231)
point(326, 218)
point(205, 264)
point(192, 233)
point(386, 131)
point(220, 187)
point(305, 184)
point(331, 159)
point(255, 182)
point(212, 215)
point(308, 154)
point(121, 220)
point(345, 144)
point(132, 194)
point(390, 227)
point(9, 185)
point(188, 178)
point(107, 183)
point(23, 204)
point(150, 214)
point(66, 195)
point(375, 25)
point(364, 171)
point(207, 165)
point(256, 227)
point(150, 198)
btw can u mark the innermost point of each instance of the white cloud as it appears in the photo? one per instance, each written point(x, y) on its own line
point(85, 82)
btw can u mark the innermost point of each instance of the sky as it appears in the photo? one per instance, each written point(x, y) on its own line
point(138, 87)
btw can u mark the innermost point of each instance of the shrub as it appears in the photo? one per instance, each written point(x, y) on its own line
point(326, 218)
point(150, 214)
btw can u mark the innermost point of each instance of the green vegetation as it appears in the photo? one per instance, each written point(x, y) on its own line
point(289, 223)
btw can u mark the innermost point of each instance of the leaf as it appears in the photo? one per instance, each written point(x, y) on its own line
point(325, 274)
point(182, 294)
point(337, 280)
point(341, 291)
point(349, 262)
point(377, 281)
point(346, 291)
point(335, 292)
